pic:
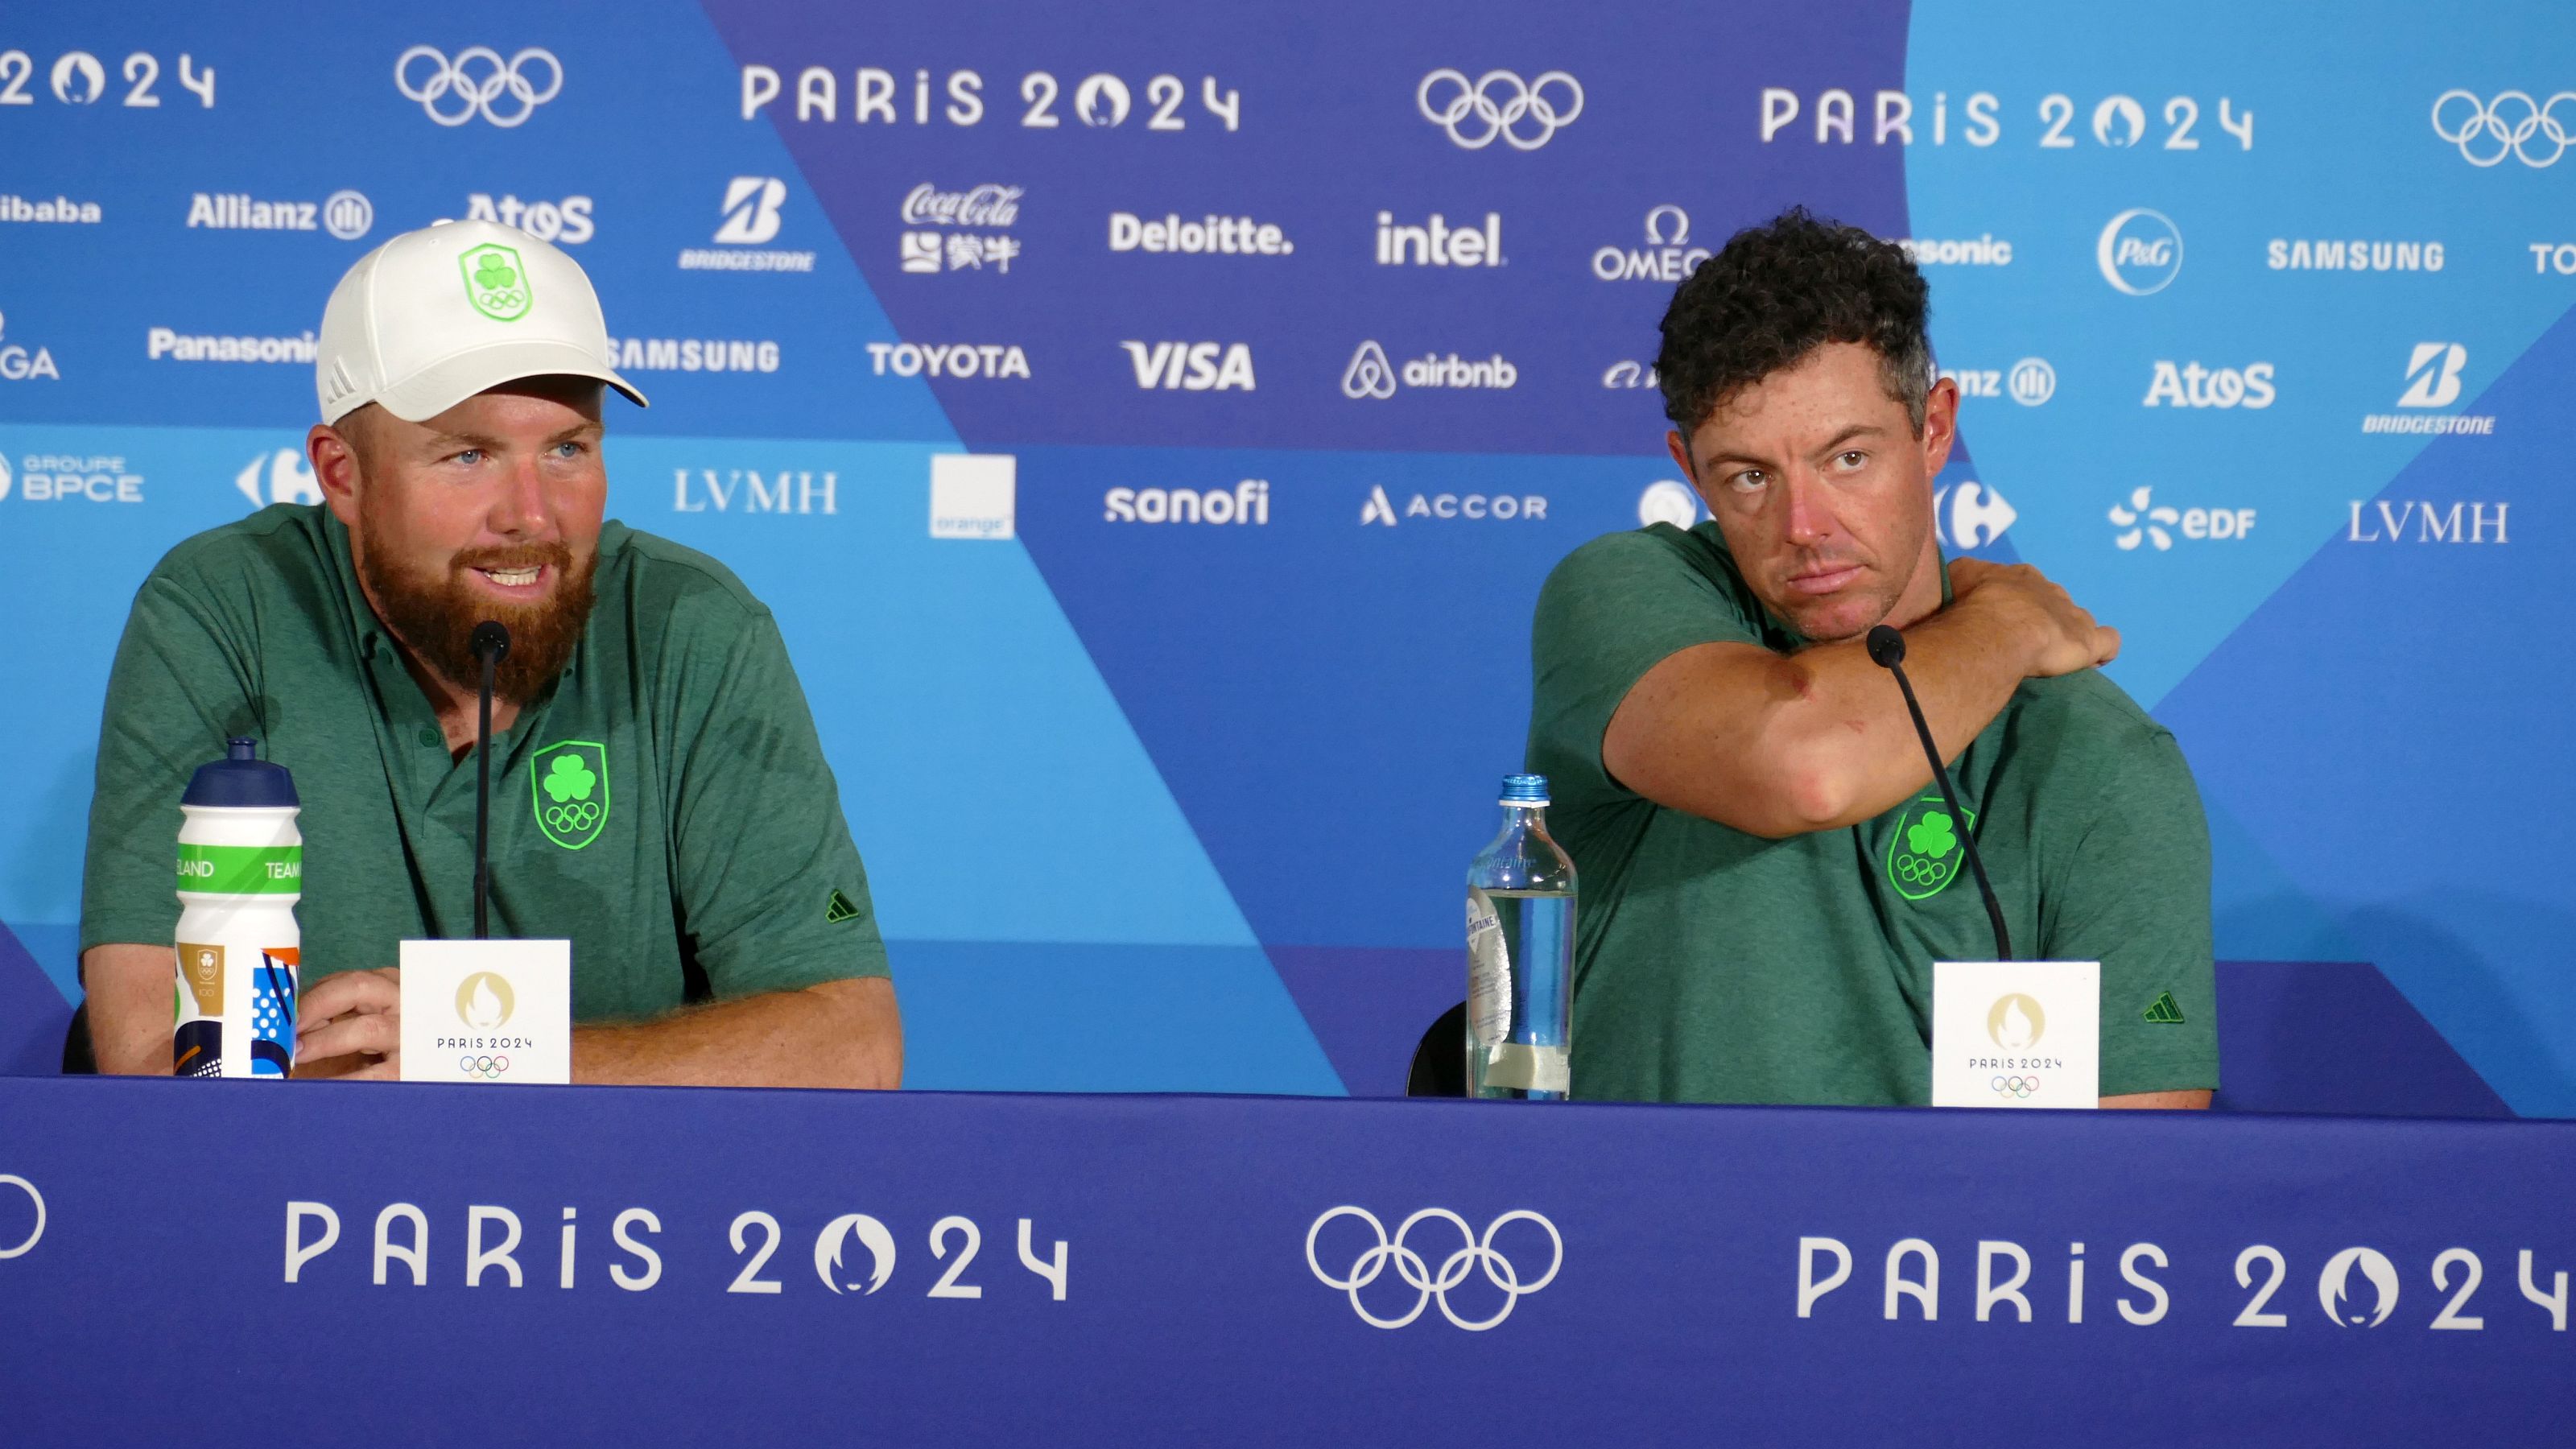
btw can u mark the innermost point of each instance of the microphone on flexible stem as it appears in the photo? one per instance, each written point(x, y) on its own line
point(1887, 650)
point(491, 645)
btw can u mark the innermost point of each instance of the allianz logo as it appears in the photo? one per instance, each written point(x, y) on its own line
point(1371, 375)
point(746, 490)
point(1192, 366)
point(2029, 382)
point(1438, 244)
point(1246, 502)
point(960, 359)
point(2191, 385)
point(347, 215)
point(1381, 510)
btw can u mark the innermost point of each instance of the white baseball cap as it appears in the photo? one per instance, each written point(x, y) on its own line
point(435, 316)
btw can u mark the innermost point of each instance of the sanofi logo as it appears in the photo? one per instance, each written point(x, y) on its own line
point(2140, 252)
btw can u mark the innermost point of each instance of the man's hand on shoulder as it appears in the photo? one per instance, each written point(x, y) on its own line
point(2060, 636)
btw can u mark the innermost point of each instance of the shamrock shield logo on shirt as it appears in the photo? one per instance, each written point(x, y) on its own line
point(570, 779)
point(1923, 853)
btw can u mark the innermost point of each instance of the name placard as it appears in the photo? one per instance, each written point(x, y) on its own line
point(2016, 1033)
point(487, 1011)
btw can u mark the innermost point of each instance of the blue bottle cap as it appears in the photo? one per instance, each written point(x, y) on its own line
point(242, 781)
point(1524, 789)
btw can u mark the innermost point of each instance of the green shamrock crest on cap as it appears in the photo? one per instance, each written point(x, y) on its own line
point(496, 282)
point(569, 779)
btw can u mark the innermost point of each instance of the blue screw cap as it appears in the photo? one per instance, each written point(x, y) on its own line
point(1524, 789)
point(242, 781)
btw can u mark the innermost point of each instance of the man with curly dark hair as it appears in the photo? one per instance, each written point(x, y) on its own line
point(1766, 873)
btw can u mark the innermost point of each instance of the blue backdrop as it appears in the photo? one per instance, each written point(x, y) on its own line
point(1297, 343)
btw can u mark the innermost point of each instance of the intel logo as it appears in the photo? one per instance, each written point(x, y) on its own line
point(2140, 252)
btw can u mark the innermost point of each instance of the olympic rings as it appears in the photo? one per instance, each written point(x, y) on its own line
point(488, 1068)
point(2018, 1088)
point(1417, 1274)
point(2510, 122)
point(478, 95)
point(572, 819)
point(1528, 100)
point(1921, 870)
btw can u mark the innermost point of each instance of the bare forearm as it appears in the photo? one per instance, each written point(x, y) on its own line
point(1846, 743)
point(842, 1034)
point(129, 989)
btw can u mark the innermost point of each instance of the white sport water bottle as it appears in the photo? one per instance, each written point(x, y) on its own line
point(241, 871)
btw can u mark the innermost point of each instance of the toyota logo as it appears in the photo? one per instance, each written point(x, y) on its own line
point(1476, 105)
point(2487, 131)
point(475, 79)
point(1474, 1253)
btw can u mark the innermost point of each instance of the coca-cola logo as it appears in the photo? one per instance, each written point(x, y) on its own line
point(986, 205)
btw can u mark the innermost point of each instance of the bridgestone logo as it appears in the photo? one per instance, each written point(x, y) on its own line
point(179, 347)
point(2483, 424)
point(708, 259)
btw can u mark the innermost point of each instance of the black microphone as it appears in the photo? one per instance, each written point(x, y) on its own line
point(1887, 650)
point(491, 645)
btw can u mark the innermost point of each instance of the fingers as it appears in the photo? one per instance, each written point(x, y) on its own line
point(349, 991)
point(379, 1032)
point(2106, 644)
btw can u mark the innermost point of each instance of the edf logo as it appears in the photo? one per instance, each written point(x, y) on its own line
point(2140, 252)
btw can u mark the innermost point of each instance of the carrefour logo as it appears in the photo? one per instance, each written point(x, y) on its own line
point(2140, 252)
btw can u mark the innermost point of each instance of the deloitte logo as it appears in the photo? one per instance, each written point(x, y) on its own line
point(2140, 252)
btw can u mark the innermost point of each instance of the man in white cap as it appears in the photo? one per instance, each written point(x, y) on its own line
point(659, 795)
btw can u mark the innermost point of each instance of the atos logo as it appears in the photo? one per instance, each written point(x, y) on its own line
point(2194, 386)
point(2140, 252)
point(1192, 366)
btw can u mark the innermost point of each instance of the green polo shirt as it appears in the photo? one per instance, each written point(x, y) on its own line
point(664, 804)
point(1716, 966)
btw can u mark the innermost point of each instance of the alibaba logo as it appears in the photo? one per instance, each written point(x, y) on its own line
point(484, 1001)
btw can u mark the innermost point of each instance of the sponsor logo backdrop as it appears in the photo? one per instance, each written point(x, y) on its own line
point(1153, 434)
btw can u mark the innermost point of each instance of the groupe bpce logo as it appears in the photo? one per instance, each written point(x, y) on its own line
point(1472, 117)
point(1476, 1252)
point(2488, 131)
point(474, 87)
